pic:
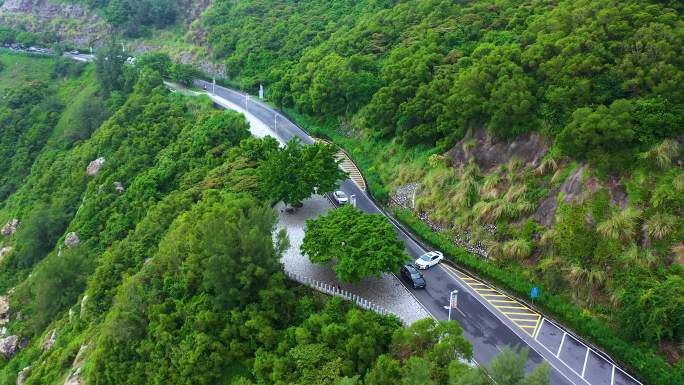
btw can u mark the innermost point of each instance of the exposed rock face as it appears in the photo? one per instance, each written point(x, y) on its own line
point(50, 341)
point(10, 227)
point(119, 187)
point(489, 152)
point(9, 346)
point(5, 251)
point(23, 375)
point(84, 301)
point(80, 356)
point(72, 240)
point(572, 192)
point(75, 378)
point(95, 166)
point(78, 25)
point(4, 310)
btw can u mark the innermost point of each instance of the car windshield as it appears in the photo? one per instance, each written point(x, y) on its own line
point(415, 275)
point(426, 257)
point(340, 194)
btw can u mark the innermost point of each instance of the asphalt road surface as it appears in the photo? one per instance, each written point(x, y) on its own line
point(487, 317)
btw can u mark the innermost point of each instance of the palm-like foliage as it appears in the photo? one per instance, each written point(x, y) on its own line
point(678, 183)
point(660, 226)
point(517, 249)
point(635, 256)
point(586, 280)
point(546, 166)
point(621, 225)
point(557, 175)
point(512, 168)
point(663, 153)
point(678, 253)
point(490, 185)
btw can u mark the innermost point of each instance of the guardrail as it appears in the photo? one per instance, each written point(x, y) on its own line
point(336, 291)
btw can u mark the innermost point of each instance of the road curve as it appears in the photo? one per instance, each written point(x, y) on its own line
point(485, 325)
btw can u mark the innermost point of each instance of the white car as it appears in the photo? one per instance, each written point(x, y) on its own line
point(340, 197)
point(429, 259)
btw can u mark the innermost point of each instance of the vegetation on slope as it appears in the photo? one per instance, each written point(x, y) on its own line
point(398, 83)
point(175, 275)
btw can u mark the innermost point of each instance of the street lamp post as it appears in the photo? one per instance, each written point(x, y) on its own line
point(453, 301)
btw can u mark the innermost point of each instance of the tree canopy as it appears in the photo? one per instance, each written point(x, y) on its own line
point(294, 172)
point(358, 245)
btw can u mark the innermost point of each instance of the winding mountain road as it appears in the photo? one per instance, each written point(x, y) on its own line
point(490, 318)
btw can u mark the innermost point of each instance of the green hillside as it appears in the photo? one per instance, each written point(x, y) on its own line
point(537, 142)
point(416, 90)
point(145, 250)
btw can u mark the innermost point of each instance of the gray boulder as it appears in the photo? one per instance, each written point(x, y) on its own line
point(10, 227)
point(9, 346)
point(49, 342)
point(4, 310)
point(5, 251)
point(119, 187)
point(75, 378)
point(72, 240)
point(23, 375)
point(95, 166)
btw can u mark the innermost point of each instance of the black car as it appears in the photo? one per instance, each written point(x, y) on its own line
point(411, 275)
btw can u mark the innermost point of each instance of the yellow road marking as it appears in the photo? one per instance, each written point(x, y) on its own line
point(509, 307)
point(490, 295)
point(513, 313)
point(521, 319)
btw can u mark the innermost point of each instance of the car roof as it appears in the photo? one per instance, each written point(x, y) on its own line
point(410, 268)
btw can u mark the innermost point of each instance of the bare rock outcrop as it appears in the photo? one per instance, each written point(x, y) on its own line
point(9, 346)
point(488, 151)
point(23, 375)
point(49, 342)
point(4, 310)
point(75, 378)
point(72, 240)
point(84, 302)
point(119, 187)
point(4, 251)
point(10, 227)
point(79, 25)
point(95, 166)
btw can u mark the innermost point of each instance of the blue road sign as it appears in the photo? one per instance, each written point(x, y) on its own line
point(534, 293)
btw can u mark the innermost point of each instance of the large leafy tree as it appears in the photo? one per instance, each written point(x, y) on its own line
point(361, 245)
point(294, 172)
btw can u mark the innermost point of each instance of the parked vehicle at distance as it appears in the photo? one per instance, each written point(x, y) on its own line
point(340, 197)
point(412, 276)
point(429, 259)
point(74, 52)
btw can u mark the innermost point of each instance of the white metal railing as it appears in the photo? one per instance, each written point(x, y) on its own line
point(339, 292)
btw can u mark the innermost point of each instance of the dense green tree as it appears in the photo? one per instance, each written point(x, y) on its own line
point(603, 136)
point(653, 309)
point(110, 68)
point(294, 172)
point(360, 245)
point(157, 61)
point(183, 73)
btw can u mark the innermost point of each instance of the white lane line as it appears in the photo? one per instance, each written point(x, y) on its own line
point(515, 332)
point(584, 367)
point(561, 344)
point(536, 333)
